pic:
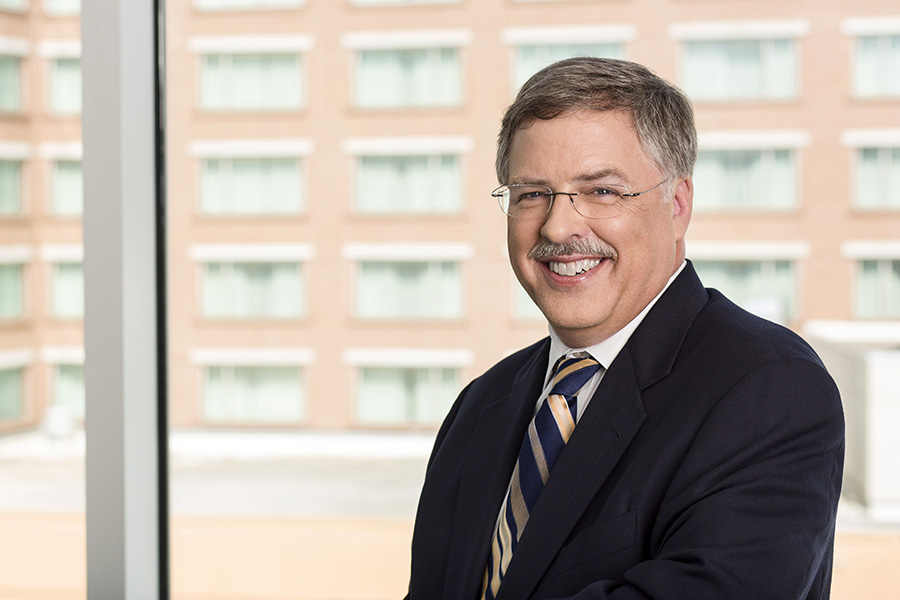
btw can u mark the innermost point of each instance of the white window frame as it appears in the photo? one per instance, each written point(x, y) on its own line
point(201, 150)
point(403, 358)
point(50, 51)
point(416, 39)
point(869, 250)
point(725, 31)
point(414, 252)
point(51, 153)
point(380, 3)
point(201, 254)
point(857, 27)
point(210, 8)
point(204, 357)
point(19, 152)
point(298, 44)
point(18, 48)
point(457, 146)
point(859, 139)
point(762, 140)
point(757, 251)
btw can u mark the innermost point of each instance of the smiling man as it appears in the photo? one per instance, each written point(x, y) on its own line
point(661, 443)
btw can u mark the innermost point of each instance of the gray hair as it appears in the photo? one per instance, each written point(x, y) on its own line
point(662, 115)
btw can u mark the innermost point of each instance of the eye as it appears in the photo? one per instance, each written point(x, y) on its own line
point(530, 194)
point(602, 194)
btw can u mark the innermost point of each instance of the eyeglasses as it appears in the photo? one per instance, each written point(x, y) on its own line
point(594, 201)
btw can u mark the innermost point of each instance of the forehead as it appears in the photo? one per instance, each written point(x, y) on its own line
point(568, 146)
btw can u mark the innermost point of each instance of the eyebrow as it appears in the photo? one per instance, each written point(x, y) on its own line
point(599, 174)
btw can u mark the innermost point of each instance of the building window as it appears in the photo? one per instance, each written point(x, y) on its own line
point(10, 84)
point(253, 394)
point(400, 2)
point(408, 78)
point(17, 6)
point(68, 290)
point(878, 178)
point(767, 288)
point(408, 184)
point(405, 396)
point(11, 291)
point(65, 86)
point(876, 66)
point(228, 5)
point(251, 82)
point(12, 393)
point(740, 69)
point(68, 389)
point(252, 290)
point(745, 180)
point(408, 290)
point(251, 186)
point(62, 8)
point(10, 187)
point(406, 69)
point(740, 60)
point(878, 289)
point(66, 189)
point(537, 47)
point(533, 57)
point(524, 308)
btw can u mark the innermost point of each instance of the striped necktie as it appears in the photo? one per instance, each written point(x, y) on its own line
point(547, 436)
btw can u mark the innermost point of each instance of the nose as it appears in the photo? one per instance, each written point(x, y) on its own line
point(562, 222)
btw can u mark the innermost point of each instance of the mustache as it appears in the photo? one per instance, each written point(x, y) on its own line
point(599, 248)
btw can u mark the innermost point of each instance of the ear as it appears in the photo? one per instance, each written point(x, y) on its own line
point(682, 206)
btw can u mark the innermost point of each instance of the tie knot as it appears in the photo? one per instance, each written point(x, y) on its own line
point(572, 372)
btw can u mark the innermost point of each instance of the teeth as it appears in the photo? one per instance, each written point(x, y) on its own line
point(572, 268)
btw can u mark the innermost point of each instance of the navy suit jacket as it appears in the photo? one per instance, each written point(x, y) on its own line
point(707, 466)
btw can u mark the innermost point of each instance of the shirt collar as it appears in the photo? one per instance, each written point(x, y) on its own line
point(606, 351)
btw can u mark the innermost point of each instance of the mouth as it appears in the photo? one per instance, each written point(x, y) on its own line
point(573, 268)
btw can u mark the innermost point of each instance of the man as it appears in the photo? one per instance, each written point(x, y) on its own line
point(707, 457)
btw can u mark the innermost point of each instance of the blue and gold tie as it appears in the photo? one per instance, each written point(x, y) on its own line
point(547, 436)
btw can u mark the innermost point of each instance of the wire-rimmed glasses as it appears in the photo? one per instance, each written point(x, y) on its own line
point(594, 201)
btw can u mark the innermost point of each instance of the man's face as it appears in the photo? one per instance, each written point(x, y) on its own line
point(629, 257)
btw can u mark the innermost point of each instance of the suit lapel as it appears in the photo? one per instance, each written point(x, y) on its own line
point(603, 433)
point(487, 468)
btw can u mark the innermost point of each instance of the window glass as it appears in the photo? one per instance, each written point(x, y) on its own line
point(68, 290)
point(253, 394)
point(11, 394)
point(65, 86)
point(404, 396)
point(408, 184)
point(408, 78)
point(740, 69)
point(524, 307)
point(532, 58)
point(408, 290)
point(66, 191)
point(68, 389)
point(251, 82)
point(248, 289)
point(14, 5)
point(10, 187)
point(878, 289)
point(11, 291)
point(878, 178)
point(876, 69)
point(61, 8)
point(217, 5)
point(247, 186)
point(767, 288)
point(10, 92)
point(745, 180)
